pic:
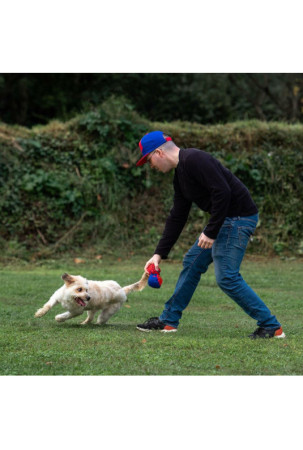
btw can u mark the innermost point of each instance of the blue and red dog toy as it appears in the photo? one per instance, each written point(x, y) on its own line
point(154, 279)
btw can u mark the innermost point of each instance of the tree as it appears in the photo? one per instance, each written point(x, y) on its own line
point(28, 99)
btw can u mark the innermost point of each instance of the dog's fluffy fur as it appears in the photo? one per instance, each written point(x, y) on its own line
point(78, 295)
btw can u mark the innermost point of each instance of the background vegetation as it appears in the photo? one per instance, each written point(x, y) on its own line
point(73, 184)
point(30, 99)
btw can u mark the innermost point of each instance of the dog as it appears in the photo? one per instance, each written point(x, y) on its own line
point(79, 294)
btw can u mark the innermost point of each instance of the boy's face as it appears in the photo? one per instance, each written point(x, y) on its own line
point(158, 160)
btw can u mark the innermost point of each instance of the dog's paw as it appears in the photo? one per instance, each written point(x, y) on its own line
point(40, 312)
point(59, 318)
point(84, 322)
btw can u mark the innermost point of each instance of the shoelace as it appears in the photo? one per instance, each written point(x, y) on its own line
point(148, 321)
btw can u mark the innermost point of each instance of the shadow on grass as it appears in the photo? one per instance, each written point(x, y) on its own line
point(105, 327)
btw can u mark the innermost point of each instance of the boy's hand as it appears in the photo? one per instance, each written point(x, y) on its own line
point(156, 259)
point(205, 242)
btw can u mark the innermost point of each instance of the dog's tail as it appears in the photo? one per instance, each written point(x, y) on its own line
point(139, 286)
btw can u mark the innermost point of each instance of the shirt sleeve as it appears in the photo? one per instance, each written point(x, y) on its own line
point(175, 222)
point(207, 172)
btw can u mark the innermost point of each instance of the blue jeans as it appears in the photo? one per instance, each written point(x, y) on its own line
point(227, 254)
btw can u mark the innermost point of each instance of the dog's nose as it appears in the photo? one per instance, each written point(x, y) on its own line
point(88, 298)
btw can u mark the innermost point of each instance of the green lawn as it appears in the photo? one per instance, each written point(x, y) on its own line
point(212, 337)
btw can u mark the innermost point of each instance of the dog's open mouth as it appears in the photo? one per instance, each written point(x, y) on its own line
point(80, 301)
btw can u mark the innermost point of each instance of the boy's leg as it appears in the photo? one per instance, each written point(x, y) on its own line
point(228, 252)
point(195, 262)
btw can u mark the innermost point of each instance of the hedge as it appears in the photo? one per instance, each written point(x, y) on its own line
point(75, 184)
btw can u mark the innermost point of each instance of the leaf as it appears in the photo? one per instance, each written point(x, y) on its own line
point(79, 261)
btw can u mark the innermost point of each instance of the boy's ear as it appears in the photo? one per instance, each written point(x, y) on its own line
point(68, 279)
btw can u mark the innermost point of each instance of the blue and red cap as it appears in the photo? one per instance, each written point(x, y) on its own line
point(149, 143)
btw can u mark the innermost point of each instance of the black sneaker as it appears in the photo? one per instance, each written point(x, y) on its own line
point(267, 333)
point(154, 323)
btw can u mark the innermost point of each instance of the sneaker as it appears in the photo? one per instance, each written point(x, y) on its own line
point(267, 333)
point(154, 323)
point(169, 329)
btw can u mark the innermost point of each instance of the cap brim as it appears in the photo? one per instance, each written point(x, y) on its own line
point(142, 161)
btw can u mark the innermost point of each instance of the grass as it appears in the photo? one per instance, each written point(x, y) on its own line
point(212, 337)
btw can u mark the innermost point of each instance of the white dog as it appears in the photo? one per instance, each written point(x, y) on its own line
point(78, 295)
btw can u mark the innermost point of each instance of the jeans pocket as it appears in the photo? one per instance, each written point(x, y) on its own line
point(244, 233)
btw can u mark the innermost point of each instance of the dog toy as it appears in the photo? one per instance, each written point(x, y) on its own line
point(154, 279)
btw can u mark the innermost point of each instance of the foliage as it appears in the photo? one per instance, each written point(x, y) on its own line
point(72, 184)
point(206, 98)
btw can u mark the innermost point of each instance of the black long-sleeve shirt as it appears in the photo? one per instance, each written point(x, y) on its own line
point(200, 178)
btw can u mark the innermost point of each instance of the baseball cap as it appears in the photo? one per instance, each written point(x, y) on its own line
point(149, 143)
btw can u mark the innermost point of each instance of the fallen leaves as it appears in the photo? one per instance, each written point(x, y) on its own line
point(79, 261)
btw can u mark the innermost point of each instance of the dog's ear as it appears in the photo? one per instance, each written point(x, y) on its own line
point(68, 279)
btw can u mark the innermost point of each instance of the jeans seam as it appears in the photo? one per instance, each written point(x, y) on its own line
point(229, 235)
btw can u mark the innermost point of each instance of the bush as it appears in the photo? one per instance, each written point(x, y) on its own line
point(73, 184)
